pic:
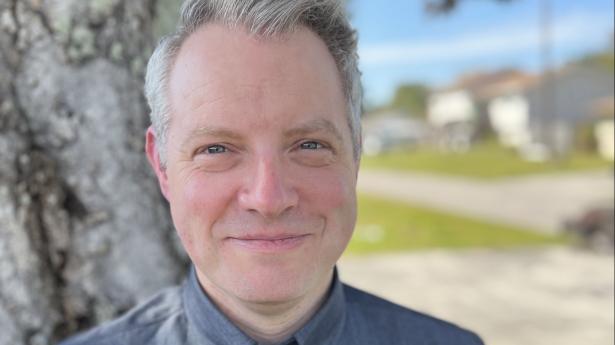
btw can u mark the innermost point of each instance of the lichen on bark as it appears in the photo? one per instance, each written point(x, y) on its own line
point(84, 232)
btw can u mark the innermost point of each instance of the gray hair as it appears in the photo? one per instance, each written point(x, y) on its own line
point(265, 18)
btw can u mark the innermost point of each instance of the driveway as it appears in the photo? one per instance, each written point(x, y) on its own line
point(533, 297)
point(540, 202)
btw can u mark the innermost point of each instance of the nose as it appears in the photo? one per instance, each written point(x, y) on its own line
point(268, 191)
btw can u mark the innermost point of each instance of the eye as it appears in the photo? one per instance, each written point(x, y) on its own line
point(311, 145)
point(216, 157)
point(313, 153)
point(213, 149)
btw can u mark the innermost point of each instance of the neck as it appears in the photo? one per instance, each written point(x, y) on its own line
point(270, 322)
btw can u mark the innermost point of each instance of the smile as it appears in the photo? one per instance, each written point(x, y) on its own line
point(269, 244)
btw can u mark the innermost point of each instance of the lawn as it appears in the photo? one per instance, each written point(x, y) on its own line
point(487, 160)
point(385, 226)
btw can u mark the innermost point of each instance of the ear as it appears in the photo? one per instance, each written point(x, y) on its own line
point(154, 160)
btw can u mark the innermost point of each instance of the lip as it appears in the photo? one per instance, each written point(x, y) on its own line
point(268, 243)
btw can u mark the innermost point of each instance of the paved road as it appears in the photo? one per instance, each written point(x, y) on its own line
point(540, 202)
point(531, 297)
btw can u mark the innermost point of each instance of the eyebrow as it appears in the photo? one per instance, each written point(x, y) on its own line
point(210, 131)
point(313, 126)
point(318, 125)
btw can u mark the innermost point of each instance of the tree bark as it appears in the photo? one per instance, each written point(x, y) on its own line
point(84, 231)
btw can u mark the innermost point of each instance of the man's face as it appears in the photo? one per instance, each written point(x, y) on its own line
point(260, 171)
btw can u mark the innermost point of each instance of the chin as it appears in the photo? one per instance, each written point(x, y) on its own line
point(274, 284)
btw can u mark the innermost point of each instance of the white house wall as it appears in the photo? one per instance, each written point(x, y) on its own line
point(605, 137)
point(450, 107)
point(509, 117)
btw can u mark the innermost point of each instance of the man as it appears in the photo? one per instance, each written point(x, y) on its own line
point(255, 141)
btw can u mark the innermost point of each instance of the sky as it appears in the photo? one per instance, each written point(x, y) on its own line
point(399, 42)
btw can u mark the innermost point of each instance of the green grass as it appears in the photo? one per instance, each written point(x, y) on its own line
point(385, 226)
point(487, 160)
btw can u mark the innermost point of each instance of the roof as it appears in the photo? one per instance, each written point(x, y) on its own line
point(603, 107)
point(486, 85)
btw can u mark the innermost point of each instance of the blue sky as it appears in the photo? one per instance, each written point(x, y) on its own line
point(400, 43)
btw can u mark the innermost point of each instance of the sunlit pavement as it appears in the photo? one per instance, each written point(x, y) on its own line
point(542, 296)
point(540, 202)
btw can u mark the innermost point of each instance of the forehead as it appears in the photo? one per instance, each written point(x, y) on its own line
point(221, 71)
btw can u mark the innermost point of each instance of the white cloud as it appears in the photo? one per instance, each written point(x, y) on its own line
point(571, 30)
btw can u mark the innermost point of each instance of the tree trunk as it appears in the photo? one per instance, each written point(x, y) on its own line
point(84, 231)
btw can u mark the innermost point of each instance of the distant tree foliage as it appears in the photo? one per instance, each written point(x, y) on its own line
point(168, 16)
point(604, 60)
point(411, 99)
point(446, 6)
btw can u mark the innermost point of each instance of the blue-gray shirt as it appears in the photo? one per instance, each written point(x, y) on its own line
point(185, 315)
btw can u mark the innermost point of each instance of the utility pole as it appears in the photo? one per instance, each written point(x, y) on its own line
point(553, 131)
point(545, 96)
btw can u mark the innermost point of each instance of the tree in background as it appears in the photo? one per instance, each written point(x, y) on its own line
point(445, 6)
point(604, 60)
point(84, 232)
point(411, 99)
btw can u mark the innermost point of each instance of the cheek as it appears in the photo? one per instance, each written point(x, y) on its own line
point(196, 202)
point(333, 195)
point(334, 198)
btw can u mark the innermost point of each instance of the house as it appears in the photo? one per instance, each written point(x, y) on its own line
point(538, 111)
point(460, 112)
point(604, 127)
point(537, 116)
point(559, 104)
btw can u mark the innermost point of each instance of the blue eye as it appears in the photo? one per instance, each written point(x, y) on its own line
point(311, 145)
point(214, 149)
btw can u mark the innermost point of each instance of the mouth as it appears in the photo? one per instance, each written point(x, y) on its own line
point(268, 243)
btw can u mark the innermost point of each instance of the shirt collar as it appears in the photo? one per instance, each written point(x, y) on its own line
point(209, 322)
point(206, 318)
point(328, 322)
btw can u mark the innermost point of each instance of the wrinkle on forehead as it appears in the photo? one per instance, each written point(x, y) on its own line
point(202, 95)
